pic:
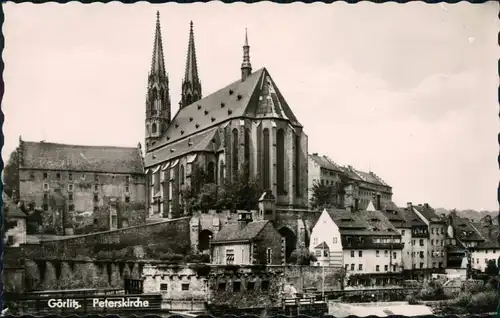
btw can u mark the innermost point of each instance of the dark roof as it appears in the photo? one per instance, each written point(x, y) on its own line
point(428, 212)
point(463, 228)
point(411, 217)
point(489, 232)
point(370, 177)
point(10, 209)
point(255, 97)
point(362, 222)
point(396, 218)
point(231, 232)
point(325, 162)
point(322, 246)
point(53, 156)
point(196, 143)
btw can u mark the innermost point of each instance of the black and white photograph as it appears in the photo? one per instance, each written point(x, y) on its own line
point(250, 159)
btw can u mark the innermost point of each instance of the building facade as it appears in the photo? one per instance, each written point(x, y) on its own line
point(81, 189)
point(371, 245)
point(248, 242)
point(245, 127)
point(14, 227)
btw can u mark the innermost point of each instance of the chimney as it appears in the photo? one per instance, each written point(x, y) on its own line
point(379, 204)
point(410, 206)
point(426, 205)
point(315, 153)
point(244, 217)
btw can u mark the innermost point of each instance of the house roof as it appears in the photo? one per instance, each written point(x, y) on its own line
point(361, 222)
point(463, 228)
point(10, 209)
point(325, 162)
point(255, 97)
point(411, 217)
point(54, 156)
point(322, 246)
point(489, 232)
point(231, 232)
point(428, 212)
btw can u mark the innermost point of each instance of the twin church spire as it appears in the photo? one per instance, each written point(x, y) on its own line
point(158, 107)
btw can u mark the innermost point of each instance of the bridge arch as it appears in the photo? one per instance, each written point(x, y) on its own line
point(290, 240)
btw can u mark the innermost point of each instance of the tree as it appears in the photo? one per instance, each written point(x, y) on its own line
point(491, 268)
point(11, 175)
point(323, 196)
point(239, 193)
point(302, 256)
point(202, 193)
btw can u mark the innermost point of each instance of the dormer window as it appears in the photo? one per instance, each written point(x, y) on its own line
point(197, 126)
point(213, 119)
point(206, 112)
point(176, 125)
point(231, 92)
point(222, 105)
point(239, 97)
point(190, 118)
point(199, 107)
point(229, 112)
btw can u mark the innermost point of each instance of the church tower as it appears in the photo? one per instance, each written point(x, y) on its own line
point(246, 66)
point(191, 85)
point(158, 110)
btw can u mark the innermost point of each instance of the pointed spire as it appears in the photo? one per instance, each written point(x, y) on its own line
point(158, 61)
point(191, 85)
point(246, 66)
point(191, 74)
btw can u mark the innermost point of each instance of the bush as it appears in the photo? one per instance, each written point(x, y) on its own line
point(302, 256)
point(484, 302)
point(411, 300)
point(431, 291)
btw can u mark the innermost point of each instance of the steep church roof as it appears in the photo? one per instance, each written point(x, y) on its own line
point(256, 97)
point(53, 156)
point(158, 61)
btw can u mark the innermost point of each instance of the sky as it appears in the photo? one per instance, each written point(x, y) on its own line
point(406, 91)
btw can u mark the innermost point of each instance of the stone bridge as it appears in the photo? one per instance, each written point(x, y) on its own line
point(294, 225)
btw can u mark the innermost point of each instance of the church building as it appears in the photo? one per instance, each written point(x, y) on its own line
point(245, 126)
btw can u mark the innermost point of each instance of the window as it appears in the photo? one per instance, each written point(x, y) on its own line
point(334, 240)
point(360, 267)
point(394, 255)
point(222, 287)
point(393, 268)
point(269, 254)
point(45, 176)
point(432, 230)
point(352, 253)
point(127, 179)
point(440, 265)
point(236, 287)
point(432, 242)
point(127, 199)
point(211, 172)
point(70, 197)
point(377, 253)
point(96, 198)
point(422, 254)
point(421, 241)
point(70, 176)
point(246, 153)
point(96, 209)
point(434, 265)
point(403, 232)
point(153, 128)
point(127, 189)
point(414, 266)
point(45, 186)
point(346, 266)
point(360, 253)
point(182, 174)
point(315, 240)
point(297, 166)
point(352, 267)
point(45, 207)
point(250, 285)
point(421, 265)
point(413, 242)
point(386, 253)
point(10, 240)
point(266, 160)
point(377, 268)
point(45, 197)
point(70, 187)
point(32, 175)
point(235, 152)
point(264, 285)
point(185, 287)
point(71, 207)
point(163, 286)
point(386, 268)
point(280, 161)
point(229, 256)
point(96, 178)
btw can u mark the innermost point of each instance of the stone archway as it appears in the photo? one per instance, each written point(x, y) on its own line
point(290, 240)
point(204, 240)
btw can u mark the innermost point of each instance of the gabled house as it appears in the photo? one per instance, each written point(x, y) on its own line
point(325, 236)
point(248, 242)
point(14, 229)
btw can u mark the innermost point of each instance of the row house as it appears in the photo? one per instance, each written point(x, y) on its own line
point(80, 189)
point(472, 244)
point(364, 242)
point(361, 185)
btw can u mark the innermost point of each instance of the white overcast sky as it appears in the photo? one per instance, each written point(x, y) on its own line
point(408, 91)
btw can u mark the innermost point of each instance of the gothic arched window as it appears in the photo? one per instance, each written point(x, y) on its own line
point(188, 99)
point(280, 161)
point(182, 174)
point(247, 151)
point(235, 152)
point(153, 128)
point(211, 171)
point(221, 172)
point(147, 130)
point(267, 160)
point(297, 165)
